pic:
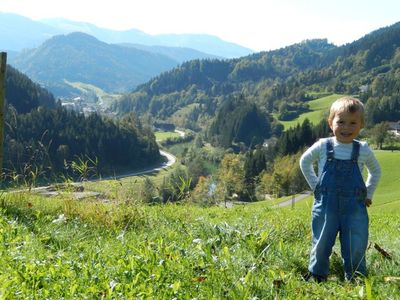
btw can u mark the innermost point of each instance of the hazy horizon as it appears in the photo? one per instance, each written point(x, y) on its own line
point(255, 24)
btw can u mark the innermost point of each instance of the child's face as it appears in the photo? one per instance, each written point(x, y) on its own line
point(346, 126)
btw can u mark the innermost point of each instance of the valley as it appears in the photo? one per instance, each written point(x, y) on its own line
point(165, 231)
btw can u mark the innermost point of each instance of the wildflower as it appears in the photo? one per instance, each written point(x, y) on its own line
point(120, 237)
point(61, 218)
point(113, 284)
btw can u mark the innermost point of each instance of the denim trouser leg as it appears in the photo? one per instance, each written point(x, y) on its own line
point(354, 240)
point(324, 231)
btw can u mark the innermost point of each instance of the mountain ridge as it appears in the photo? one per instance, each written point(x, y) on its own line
point(79, 57)
point(18, 32)
point(206, 43)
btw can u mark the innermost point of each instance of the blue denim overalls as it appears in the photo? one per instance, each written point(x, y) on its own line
point(339, 206)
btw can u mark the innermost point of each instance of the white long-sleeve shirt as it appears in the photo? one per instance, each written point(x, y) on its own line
point(317, 153)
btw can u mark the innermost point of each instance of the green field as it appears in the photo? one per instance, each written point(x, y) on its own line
point(387, 195)
point(163, 135)
point(319, 110)
point(104, 98)
point(60, 248)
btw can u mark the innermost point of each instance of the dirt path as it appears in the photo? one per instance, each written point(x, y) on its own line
point(296, 198)
point(293, 200)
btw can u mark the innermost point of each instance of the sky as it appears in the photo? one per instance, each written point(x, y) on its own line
point(255, 24)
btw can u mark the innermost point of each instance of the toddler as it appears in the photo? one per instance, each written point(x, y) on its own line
point(341, 197)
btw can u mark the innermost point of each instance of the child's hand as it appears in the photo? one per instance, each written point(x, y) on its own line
point(368, 202)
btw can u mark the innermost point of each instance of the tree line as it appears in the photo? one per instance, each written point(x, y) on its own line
point(42, 138)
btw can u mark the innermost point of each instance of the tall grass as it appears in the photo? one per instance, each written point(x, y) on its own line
point(59, 248)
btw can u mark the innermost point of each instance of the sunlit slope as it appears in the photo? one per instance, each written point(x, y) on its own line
point(387, 195)
point(319, 109)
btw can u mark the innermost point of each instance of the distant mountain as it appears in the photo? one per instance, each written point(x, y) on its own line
point(78, 57)
point(204, 43)
point(106, 35)
point(17, 33)
point(179, 54)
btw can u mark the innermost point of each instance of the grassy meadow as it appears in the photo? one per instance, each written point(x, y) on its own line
point(104, 98)
point(319, 109)
point(388, 191)
point(60, 248)
point(163, 135)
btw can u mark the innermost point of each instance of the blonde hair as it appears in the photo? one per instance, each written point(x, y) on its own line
point(346, 104)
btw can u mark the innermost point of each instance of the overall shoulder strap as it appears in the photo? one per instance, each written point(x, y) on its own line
point(356, 151)
point(329, 149)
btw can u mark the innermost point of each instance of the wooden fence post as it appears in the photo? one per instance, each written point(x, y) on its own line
point(3, 65)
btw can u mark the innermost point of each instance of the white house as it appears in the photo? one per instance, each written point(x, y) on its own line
point(394, 127)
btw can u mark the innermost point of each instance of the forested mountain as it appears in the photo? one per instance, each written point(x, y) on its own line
point(278, 82)
point(42, 139)
point(217, 78)
point(79, 57)
point(25, 95)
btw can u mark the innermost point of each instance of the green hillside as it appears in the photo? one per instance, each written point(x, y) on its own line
point(118, 248)
point(280, 83)
point(78, 57)
point(64, 249)
point(319, 109)
point(387, 195)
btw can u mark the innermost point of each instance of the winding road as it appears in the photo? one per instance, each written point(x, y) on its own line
point(171, 159)
point(49, 191)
